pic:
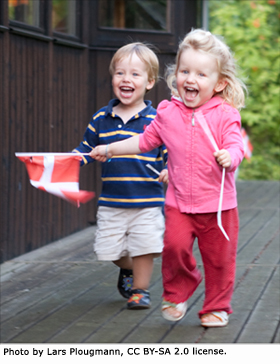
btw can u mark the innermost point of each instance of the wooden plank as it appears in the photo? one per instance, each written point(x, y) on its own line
point(70, 297)
point(254, 241)
point(109, 307)
point(262, 324)
point(244, 299)
point(66, 288)
point(51, 259)
point(18, 299)
point(5, 146)
point(162, 331)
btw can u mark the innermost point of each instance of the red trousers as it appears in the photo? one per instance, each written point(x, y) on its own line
point(180, 274)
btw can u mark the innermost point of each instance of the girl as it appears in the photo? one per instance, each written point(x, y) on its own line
point(204, 89)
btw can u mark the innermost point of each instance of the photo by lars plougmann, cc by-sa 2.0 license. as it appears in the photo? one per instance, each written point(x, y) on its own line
point(131, 351)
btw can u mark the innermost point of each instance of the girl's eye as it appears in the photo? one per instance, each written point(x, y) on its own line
point(135, 74)
point(201, 74)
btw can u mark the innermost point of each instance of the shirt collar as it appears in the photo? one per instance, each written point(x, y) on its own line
point(114, 102)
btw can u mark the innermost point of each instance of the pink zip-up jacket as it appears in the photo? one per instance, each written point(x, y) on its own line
point(194, 175)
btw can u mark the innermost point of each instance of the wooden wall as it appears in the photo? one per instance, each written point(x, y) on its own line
point(48, 93)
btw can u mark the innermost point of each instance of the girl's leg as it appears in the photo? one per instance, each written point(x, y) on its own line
point(179, 273)
point(219, 259)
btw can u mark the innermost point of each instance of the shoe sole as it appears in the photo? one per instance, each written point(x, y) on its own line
point(127, 296)
point(138, 307)
point(214, 324)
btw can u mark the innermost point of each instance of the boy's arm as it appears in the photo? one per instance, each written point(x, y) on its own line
point(128, 146)
point(90, 140)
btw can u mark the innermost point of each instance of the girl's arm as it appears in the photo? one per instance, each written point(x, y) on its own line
point(223, 158)
point(128, 146)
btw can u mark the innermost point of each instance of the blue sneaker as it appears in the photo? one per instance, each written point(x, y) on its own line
point(139, 299)
point(125, 282)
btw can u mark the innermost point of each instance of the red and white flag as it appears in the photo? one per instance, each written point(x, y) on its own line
point(56, 173)
point(248, 147)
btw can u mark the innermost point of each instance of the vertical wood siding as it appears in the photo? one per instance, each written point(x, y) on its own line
point(48, 94)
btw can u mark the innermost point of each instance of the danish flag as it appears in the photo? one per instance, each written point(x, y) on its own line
point(56, 173)
point(248, 147)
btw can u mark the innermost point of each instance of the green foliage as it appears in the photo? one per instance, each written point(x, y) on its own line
point(251, 30)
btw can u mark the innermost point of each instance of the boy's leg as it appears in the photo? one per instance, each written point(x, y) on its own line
point(180, 274)
point(111, 244)
point(125, 280)
point(219, 259)
point(145, 241)
point(142, 271)
point(124, 262)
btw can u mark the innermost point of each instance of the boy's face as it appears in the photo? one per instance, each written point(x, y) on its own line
point(198, 78)
point(130, 81)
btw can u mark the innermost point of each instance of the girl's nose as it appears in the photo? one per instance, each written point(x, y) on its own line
point(190, 78)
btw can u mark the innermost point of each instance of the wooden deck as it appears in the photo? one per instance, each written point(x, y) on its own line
point(61, 294)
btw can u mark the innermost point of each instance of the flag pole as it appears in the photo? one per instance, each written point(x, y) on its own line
point(207, 131)
point(23, 154)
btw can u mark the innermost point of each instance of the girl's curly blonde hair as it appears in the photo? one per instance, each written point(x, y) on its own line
point(204, 41)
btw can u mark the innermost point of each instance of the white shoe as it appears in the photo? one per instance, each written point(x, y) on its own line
point(222, 317)
point(174, 311)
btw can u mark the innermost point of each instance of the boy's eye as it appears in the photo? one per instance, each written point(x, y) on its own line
point(135, 74)
point(201, 74)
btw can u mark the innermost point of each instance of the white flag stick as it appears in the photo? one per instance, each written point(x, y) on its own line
point(205, 127)
point(219, 217)
point(153, 169)
point(49, 154)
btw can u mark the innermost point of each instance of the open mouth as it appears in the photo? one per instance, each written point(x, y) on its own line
point(126, 89)
point(191, 93)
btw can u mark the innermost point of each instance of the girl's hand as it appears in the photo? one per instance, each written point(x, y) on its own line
point(100, 153)
point(163, 177)
point(223, 158)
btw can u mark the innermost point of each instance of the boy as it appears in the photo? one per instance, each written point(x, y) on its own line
point(130, 223)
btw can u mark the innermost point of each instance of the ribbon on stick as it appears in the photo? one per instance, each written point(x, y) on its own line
point(207, 131)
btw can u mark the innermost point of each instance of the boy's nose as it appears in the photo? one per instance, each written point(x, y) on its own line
point(125, 77)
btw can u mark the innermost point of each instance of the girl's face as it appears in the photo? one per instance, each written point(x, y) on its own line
point(130, 81)
point(198, 78)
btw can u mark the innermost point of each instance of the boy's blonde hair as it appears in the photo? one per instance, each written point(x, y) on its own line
point(203, 41)
point(144, 52)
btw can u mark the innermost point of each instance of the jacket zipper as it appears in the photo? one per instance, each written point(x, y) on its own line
point(193, 118)
point(191, 182)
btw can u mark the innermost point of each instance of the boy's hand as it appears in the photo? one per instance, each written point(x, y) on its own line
point(163, 177)
point(99, 153)
point(223, 158)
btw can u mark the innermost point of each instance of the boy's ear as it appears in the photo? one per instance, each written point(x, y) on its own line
point(150, 84)
point(221, 84)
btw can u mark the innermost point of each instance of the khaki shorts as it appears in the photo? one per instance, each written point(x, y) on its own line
point(133, 232)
